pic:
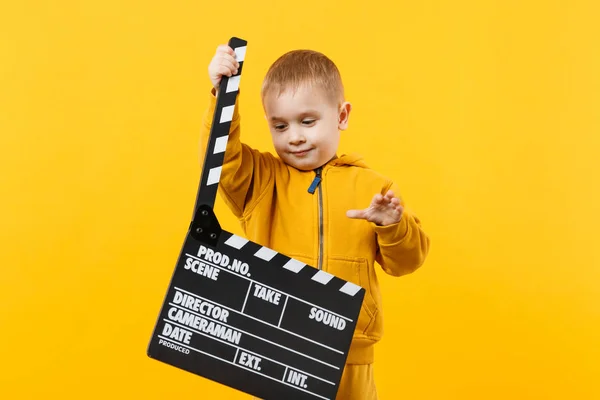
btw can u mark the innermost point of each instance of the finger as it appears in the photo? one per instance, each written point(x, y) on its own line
point(224, 48)
point(377, 199)
point(356, 214)
point(222, 70)
point(229, 64)
point(395, 201)
point(389, 194)
point(231, 59)
point(385, 201)
point(218, 62)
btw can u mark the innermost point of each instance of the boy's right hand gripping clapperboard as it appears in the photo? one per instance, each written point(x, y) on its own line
point(245, 315)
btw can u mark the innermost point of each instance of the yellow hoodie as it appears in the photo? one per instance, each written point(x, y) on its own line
point(275, 208)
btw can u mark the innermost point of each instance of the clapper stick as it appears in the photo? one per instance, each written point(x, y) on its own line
point(244, 315)
point(219, 133)
point(205, 225)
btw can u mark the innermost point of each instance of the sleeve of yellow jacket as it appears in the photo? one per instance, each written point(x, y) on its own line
point(403, 246)
point(246, 171)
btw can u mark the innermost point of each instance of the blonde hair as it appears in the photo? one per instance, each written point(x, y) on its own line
point(301, 67)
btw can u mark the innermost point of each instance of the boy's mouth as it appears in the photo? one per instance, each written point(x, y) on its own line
point(300, 153)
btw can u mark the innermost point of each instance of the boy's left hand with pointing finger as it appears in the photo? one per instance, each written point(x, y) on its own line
point(383, 210)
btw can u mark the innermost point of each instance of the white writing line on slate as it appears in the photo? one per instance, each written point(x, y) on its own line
point(240, 366)
point(272, 288)
point(246, 299)
point(282, 311)
point(260, 320)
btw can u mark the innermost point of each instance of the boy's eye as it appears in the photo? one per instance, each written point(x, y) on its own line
point(279, 127)
point(308, 121)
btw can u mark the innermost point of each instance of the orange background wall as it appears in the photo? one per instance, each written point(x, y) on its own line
point(487, 113)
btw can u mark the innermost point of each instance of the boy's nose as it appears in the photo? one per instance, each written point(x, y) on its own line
point(296, 137)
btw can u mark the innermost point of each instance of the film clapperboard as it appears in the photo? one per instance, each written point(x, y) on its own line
point(244, 315)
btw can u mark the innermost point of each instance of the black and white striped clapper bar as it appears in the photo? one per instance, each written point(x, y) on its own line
point(245, 315)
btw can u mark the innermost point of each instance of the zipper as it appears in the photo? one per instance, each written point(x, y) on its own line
point(313, 186)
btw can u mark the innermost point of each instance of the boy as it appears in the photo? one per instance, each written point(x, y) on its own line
point(308, 202)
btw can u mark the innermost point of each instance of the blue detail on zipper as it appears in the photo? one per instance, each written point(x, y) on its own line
point(315, 182)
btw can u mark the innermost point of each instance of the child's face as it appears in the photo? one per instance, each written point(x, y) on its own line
point(305, 126)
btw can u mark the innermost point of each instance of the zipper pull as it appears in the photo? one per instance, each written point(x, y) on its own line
point(315, 182)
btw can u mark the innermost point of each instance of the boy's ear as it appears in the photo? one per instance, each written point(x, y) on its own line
point(344, 115)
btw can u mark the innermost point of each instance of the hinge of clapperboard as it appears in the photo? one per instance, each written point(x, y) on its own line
point(205, 226)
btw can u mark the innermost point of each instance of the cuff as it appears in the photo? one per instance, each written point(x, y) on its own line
point(210, 110)
point(393, 234)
